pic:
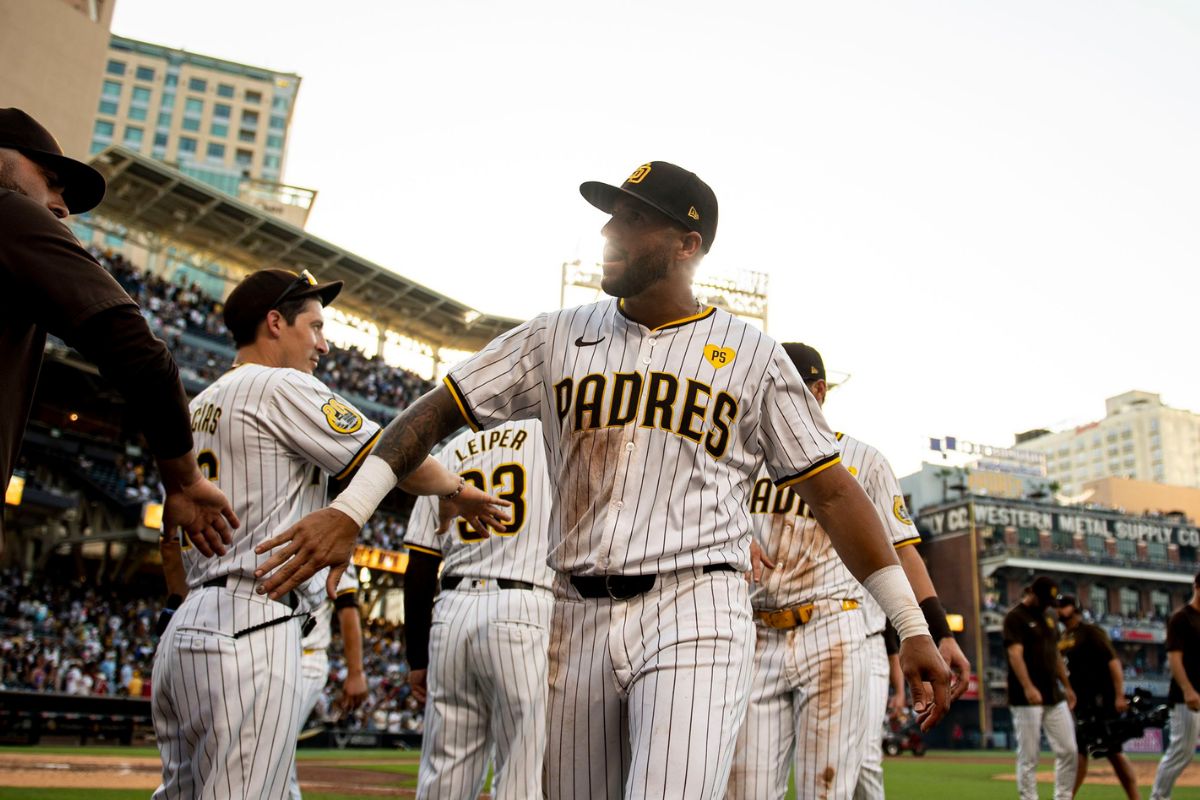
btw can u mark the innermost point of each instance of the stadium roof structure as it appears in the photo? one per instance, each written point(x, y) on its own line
point(148, 195)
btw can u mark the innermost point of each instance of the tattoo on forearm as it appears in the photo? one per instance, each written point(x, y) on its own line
point(407, 439)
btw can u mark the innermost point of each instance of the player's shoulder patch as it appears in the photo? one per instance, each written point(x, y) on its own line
point(341, 416)
point(901, 510)
point(719, 356)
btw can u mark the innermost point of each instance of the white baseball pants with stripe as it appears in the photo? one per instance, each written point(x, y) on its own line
point(486, 692)
point(1028, 722)
point(647, 694)
point(870, 776)
point(1185, 728)
point(806, 699)
point(314, 674)
point(225, 708)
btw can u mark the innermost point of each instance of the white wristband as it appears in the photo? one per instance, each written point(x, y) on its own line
point(364, 494)
point(891, 590)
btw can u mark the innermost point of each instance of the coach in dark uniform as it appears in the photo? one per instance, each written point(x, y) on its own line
point(51, 285)
point(1098, 679)
point(1183, 657)
point(1035, 672)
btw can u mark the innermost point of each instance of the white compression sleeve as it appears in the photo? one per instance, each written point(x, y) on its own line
point(890, 587)
point(364, 494)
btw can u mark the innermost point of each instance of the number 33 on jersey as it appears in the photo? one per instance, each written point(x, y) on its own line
point(509, 461)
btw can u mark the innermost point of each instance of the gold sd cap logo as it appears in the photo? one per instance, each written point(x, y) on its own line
point(341, 417)
point(639, 174)
point(718, 356)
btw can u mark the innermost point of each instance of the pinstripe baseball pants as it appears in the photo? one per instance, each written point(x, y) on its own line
point(1185, 728)
point(647, 694)
point(870, 776)
point(486, 691)
point(225, 708)
point(1028, 723)
point(314, 674)
point(807, 699)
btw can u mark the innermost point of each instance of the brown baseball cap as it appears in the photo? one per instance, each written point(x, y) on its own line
point(672, 190)
point(259, 292)
point(83, 186)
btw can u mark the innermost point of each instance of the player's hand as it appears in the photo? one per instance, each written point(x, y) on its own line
point(416, 682)
point(477, 508)
point(1121, 704)
point(759, 563)
point(324, 538)
point(897, 706)
point(1192, 699)
point(1070, 699)
point(960, 668)
point(202, 510)
point(354, 691)
point(1033, 696)
point(922, 664)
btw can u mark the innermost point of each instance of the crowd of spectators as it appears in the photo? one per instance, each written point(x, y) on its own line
point(84, 641)
point(390, 706)
point(384, 530)
point(74, 640)
point(173, 309)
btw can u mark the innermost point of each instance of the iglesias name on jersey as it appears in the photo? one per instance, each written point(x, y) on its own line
point(508, 461)
point(270, 438)
point(653, 435)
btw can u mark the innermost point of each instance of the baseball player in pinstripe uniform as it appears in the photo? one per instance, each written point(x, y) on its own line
point(314, 655)
point(226, 678)
point(486, 648)
point(658, 414)
point(814, 690)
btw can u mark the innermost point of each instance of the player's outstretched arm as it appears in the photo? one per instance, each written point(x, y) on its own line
point(845, 512)
point(326, 537)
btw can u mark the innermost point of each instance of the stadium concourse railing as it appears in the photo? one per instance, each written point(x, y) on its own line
point(29, 718)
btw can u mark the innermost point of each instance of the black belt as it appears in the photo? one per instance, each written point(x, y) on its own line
point(451, 581)
point(291, 600)
point(623, 587)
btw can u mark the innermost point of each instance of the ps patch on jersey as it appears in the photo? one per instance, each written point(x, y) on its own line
point(900, 510)
point(341, 417)
point(719, 356)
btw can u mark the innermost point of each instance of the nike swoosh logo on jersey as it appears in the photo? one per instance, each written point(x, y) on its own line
point(581, 343)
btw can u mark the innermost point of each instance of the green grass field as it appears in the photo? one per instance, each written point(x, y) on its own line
point(938, 776)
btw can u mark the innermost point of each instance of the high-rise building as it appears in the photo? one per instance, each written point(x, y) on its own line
point(1138, 438)
point(50, 53)
point(218, 121)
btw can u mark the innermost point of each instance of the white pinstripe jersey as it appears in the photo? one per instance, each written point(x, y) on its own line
point(807, 566)
point(653, 436)
point(270, 438)
point(322, 632)
point(510, 462)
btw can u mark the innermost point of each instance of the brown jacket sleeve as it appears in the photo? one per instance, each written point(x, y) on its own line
point(57, 284)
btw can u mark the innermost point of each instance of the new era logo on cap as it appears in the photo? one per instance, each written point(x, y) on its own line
point(674, 191)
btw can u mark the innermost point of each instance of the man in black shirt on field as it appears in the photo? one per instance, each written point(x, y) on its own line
point(1183, 656)
point(1098, 680)
point(1035, 670)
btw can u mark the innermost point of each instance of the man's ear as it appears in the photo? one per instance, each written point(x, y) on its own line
point(691, 245)
point(275, 323)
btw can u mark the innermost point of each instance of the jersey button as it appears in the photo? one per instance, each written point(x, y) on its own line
point(630, 446)
point(646, 360)
point(618, 505)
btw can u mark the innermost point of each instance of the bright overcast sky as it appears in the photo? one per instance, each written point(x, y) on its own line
point(987, 213)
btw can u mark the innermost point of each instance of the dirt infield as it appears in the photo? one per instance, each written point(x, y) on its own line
point(37, 770)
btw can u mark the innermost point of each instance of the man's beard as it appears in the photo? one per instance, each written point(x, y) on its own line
point(639, 275)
